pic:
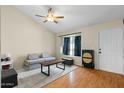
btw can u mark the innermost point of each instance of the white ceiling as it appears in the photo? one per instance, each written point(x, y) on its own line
point(75, 16)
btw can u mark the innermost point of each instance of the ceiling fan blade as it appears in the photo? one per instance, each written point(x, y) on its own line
point(49, 10)
point(45, 21)
point(55, 21)
point(39, 15)
point(59, 16)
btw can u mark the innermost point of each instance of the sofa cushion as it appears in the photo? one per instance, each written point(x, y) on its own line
point(49, 58)
point(44, 55)
point(34, 61)
point(32, 56)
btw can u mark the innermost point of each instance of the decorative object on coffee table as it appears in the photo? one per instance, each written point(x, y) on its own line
point(68, 61)
point(49, 63)
point(9, 78)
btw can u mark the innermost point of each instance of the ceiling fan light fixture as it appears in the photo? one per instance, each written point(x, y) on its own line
point(50, 19)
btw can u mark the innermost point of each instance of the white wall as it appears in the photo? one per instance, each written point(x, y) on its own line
point(89, 38)
point(21, 35)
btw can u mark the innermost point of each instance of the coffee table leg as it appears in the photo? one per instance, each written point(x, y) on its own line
point(48, 74)
point(60, 67)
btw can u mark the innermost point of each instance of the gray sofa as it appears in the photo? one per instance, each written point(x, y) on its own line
point(32, 61)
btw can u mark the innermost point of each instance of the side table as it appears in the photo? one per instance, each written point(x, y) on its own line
point(8, 78)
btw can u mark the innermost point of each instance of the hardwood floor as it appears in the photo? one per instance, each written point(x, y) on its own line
point(88, 78)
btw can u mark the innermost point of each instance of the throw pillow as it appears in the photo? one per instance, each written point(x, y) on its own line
point(33, 56)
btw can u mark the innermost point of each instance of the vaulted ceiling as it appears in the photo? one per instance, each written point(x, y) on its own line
point(75, 16)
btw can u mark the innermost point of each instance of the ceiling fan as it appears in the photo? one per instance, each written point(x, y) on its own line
point(50, 17)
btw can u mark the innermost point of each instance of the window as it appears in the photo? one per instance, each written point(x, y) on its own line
point(71, 45)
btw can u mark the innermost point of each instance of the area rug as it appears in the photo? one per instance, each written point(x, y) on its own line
point(35, 79)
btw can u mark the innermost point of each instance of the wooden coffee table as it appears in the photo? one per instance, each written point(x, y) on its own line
point(49, 63)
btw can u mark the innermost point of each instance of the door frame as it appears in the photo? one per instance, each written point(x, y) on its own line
point(123, 45)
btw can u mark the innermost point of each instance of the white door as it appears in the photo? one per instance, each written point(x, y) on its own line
point(111, 48)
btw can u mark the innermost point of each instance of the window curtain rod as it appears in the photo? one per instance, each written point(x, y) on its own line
point(69, 34)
